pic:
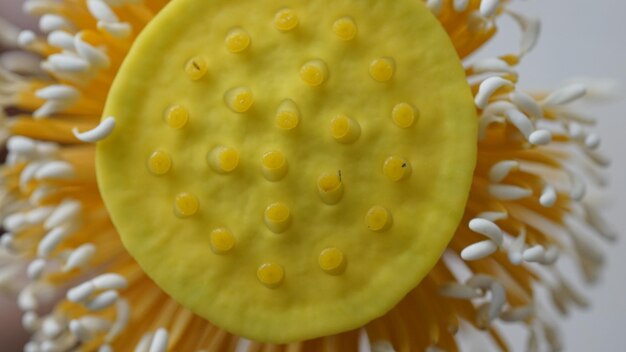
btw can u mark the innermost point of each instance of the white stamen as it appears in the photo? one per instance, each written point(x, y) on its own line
point(159, 341)
point(7, 242)
point(30, 321)
point(40, 7)
point(109, 281)
point(498, 299)
point(21, 145)
point(534, 254)
point(79, 257)
point(493, 215)
point(36, 268)
point(40, 193)
point(26, 38)
point(526, 104)
point(49, 108)
point(479, 250)
point(460, 291)
point(55, 170)
point(508, 192)
point(51, 327)
point(80, 331)
point(501, 170)
point(62, 40)
point(52, 22)
point(578, 187)
point(540, 137)
point(95, 56)
point(95, 324)
point(31, 346)
point(592, 141)
point(46, 149)
point(64, 214)
point(498, 107)
point(548, 196)
point(122, 309)
point(382, 346)
point(487, 229)
point(531, 28)
point(15, 222)
point(521, 122)
point(102, 301)
point(101, 11)
point(598, 223)
point(487, 88)
point(516, 248)
point(480, 281)
point(599, 158)
point(491, 65)
point(38, 215)
point(100, 132)
point(565, 95)
point(58, 92)
point(488, 7)
point(144, 343)
point(517, 314)
point(81, 292)
point(26, 299)
point(576, 131)
point(551, 255)
point(105, 348)
point(434, 6)
point(68, 63)
point(52, 239)
point(484, 122)
point(116, 29)
point(460, 5)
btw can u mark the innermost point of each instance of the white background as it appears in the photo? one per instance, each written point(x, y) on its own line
point(581, 38)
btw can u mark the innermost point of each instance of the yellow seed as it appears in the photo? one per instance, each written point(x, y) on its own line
point(277, 217)
point(223, 159)
point(239, 99)
point(274, 165)
point(285, 20)
point(176, 116)
point(270, 274)
point(332, 261)
point(396, 168)
point(344, 129)
point(314, 72)
point(196, 68)
point(382, 69)
point(287, 115)
point(345, 28)
point(330, 187)
point(159, 162)
point(237, 40)
point(378, 218)
point(222, 241)
point(404, 115)
point(185, 205)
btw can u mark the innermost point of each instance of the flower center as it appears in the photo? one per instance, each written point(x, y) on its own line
point(275, 165)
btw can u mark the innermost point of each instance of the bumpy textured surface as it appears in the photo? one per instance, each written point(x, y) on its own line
point(289, 169)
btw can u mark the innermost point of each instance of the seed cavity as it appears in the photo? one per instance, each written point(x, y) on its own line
point(345, 129)
point(382, 69)
point(277, 217)
point(378, 218)
point(274, 165)
point(287, 116)
point(223, 159)
point(285, 20)
point(196, 68)
point(345, 28)
point(270, 274)
point(159, 162)
point(332, 261)
point(222, 241)
point(314, 72)
point(404, 115)
point(239, 99)
point(237, 40)
point(176, 116)
point(330, 187)
point(396, 168)
point(185, 205)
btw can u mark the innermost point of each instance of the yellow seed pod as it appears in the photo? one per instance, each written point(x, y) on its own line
point(340, 218)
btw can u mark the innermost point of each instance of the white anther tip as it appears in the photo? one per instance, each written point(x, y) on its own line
point(479, 250)
point(100, 132)
point(540, 137)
